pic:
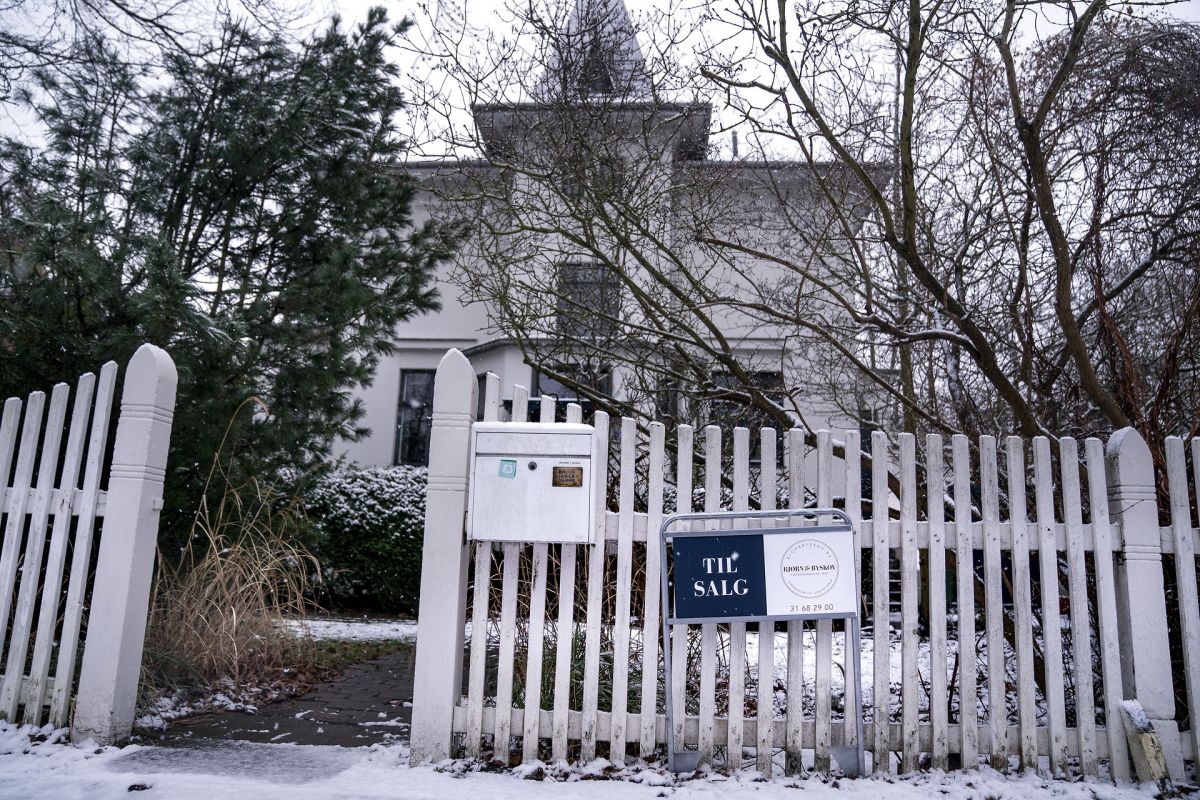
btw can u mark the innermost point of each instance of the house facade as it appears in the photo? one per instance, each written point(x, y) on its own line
point(537, 283)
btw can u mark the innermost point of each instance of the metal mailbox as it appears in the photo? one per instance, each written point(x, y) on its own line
point(531, 482)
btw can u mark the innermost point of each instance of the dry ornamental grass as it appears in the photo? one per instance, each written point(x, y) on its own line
point(217, 615)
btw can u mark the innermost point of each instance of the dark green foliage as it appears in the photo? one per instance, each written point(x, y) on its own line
point(246, 210)
point(367, 528)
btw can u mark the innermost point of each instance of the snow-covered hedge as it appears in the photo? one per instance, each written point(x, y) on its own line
point(367, 526)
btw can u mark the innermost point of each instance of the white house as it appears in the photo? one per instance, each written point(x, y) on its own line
point(661, 147)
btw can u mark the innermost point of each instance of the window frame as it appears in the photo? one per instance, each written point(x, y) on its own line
point(607, 291)
point(425, 423)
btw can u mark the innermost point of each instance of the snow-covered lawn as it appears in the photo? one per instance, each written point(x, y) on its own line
point(36, 765)
point(357, 630)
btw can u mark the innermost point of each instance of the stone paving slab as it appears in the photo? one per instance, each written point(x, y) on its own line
point(370, 703)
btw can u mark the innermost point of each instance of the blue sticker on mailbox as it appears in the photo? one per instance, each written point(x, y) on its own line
point(508, 468)
point(719, 576)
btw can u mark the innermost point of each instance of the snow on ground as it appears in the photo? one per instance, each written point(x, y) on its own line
point(358, 630)
point(175, 705)
point(36, 764)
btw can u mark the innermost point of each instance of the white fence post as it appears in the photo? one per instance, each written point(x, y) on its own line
point(112, 656)
point(437, 682)
point(1141, 605)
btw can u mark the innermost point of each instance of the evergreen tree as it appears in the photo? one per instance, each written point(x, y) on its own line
point(247, 211)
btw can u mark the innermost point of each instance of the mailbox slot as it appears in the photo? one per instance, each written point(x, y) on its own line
point(531, 482)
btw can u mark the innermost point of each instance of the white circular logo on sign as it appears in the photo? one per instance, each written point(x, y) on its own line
point(809, 568)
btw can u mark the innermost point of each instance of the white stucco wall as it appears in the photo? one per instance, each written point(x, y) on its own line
point(425, 339)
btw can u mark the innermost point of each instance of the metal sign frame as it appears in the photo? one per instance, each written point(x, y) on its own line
point(687, 760)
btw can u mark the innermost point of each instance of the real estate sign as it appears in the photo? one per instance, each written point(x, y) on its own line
point(732, 576)
point(760, 571)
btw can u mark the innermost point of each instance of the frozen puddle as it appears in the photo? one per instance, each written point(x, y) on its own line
point(276, 763)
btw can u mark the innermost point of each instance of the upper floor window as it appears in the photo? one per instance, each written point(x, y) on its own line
point(596, 76)
point(604, 179)
point(589, 300)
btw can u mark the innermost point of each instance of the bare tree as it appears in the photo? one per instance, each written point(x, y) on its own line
point(1037, 179)
point(980, 224)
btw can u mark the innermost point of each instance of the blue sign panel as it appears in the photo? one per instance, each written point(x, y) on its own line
point(719, 576)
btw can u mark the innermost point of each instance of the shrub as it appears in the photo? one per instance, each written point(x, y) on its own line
point(367, 526)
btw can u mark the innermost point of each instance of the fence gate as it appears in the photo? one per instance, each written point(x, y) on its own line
point(56, 484)
point(1013, 597)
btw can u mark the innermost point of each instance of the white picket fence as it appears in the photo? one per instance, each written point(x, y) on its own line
point(51, 498)
point(1049, 703)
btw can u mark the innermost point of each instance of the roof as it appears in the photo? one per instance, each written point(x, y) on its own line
point(596, 53)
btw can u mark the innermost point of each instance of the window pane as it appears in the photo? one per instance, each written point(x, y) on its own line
point(415, 417)
point(589, 300)
point(595, 377)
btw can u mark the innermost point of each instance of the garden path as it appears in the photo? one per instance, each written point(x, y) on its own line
point(368, 704)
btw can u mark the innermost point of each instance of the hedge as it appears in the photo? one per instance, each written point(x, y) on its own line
point(367, 526)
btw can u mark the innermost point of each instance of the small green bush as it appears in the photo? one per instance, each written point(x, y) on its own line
point(367, 526)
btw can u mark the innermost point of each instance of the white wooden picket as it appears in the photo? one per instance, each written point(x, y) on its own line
point(595, 596)
point(909, 582)
point(47, 512)
point(1185, 568)
point(880, 605)
point(978, 651)
point(964, 561)
point(994, 624)
point(651, 622)
point(823, 705)
point(679, 635)
point(794, 739)
point(737, 630)
point(939, 696)
point(1051, 631)
point(565, 633)
point(708, 632)
point(764, 746)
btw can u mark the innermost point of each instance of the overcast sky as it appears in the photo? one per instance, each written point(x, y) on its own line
point(485, 9)
point(482, 15)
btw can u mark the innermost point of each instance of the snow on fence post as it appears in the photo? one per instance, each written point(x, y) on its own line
point(112, 656)
point(437, 680)
point(1141, 606)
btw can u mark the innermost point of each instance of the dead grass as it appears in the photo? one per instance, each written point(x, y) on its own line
point(217, 615)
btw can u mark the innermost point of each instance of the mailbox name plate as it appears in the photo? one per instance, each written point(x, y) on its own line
point(569, 477)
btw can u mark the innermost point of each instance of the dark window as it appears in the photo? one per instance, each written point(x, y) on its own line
point(668, 403)
point(605, 179)
point(589, 300)
point(415, 417)
point(598, 378)
point(608, 179)
point(480, 394)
